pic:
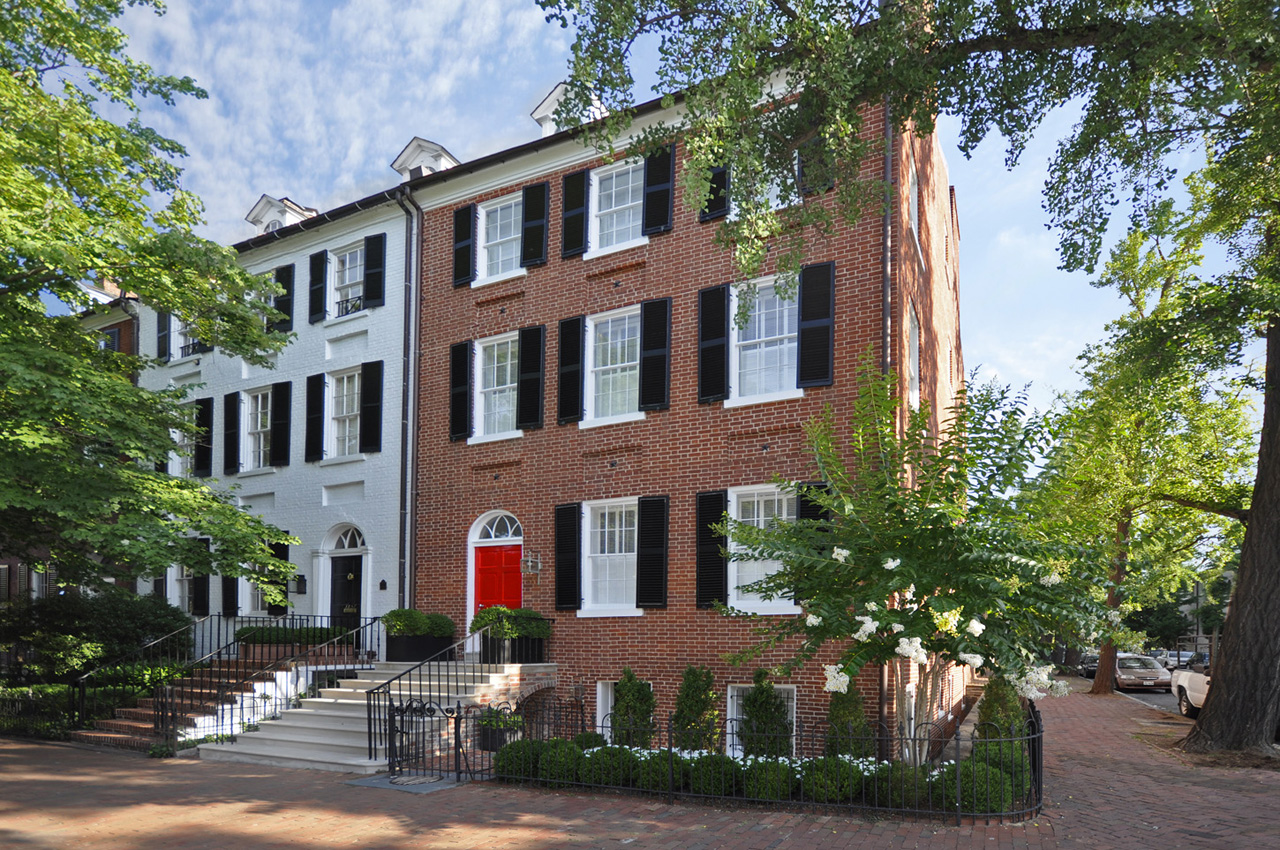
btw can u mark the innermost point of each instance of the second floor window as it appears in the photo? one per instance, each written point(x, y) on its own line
point(259, 429)
point(611, 556)
point(346, 414)
point(349, 280)
point(765, 350)
point(619, 198)
point(502, 229)
point(499, 372)
point(614, 360)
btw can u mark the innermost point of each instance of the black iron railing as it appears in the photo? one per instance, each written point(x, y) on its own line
point(989, 773)
point(269, 671)
point(443, 679)
point(347, 306)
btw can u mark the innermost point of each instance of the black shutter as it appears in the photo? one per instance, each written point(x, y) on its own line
point(162, 335)
point(375, 270)
point(464, 245)
point(573, 231)
point(651, 552)
point(284, 301)
point(569, 557)
point(569, 407)
point(460, 391)
point(815, 360)
point(202, 458)
point(279, 551)
point(199, 596)
point(160, 587)
point(230, 596)
point(313, 448)
point(529, 389)
point(659, 191)
point(371, 407)
point(533, 233)
point(713, 344)
point(806, 508)
point(316, 289)
point(655, 354)
point(281, 400)
point(711, 567)
point(717, 205)
point(231, 433)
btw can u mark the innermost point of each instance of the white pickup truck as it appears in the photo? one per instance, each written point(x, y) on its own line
point(1190, 685)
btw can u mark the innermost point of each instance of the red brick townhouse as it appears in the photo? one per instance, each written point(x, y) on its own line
point(587, 408)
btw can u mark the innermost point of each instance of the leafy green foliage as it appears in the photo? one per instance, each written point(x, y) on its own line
point(715, 775)
point(518, 760)
point(611, 767)
point(695, 722)
point(88, 200)
point(765, 729)
point(983, 788)
point(769, 780)
point(411, 621)
point(507, 623)
point(831, 780)
point(925, 546)
point(590, 740)
point(1010, 757)
point(560, 763)
point(631, 720)
point(663, 770)
point(1000, 711)
point(848, 732)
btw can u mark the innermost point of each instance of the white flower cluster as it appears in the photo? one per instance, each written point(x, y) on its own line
point(837, 679)
point(838, 554)
point(1113, 617)
point(974, 661)
point(975, 628)
point(892, 563)
point(911, 648)
point(909, 593)
point(813, 621)
point(1050, 579)
point(866, 630)
point(947, 621)
point(898, 627)
point(871, 606)
point(1037, 681)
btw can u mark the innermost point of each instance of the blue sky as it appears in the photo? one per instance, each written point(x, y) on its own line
point(313, 100)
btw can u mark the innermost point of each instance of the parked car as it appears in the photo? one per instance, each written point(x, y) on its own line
point(1171, 658)
point(1088, 666)
point(1190, 685)
point(1140, 671)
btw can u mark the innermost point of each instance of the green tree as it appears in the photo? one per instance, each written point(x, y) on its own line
point(632, 718)
point(760, 80)
point(695, 723)
point(88, 199)
point(923, 551)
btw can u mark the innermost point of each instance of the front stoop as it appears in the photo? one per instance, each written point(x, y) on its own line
point(331, 731)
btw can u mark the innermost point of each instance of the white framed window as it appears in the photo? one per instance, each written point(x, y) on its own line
point(605, 701)
point(497, 370)
point(348, 280)
point(500, 228)
point(257, 599)
point(737, 694)
point(913, 356)
point(760, 507)
point(346, 413)
point(185, 341)
point(613, 367)
point(617, 208)
point(762, 356)
point(258, 429)
point(609, 559)
point(185, 588)
point(185, 446)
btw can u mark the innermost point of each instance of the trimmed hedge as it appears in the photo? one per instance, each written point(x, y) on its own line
point(560, 763)
point(590, 740)
point(658, 771)
point(614, 767)
point(715, 775)
point(769, 780)
point(831, 780)
point(518, 760)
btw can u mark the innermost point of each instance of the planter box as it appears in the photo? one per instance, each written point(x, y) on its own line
point(491, 739)
point(415, 647)
point(521, 650)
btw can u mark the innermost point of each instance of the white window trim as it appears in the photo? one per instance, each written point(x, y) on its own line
point(482, 277)
point(589, 607)
point(913, 205)
point(605, 701)
point(589, 419)
point(247, 430)
point(752, 606)
point(593, 213)
point(732, 746)
point(331, 287)
point(331, 422)
point(477, 392)
point(734, 399)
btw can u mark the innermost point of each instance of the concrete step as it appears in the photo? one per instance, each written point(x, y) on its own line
point(247, 751)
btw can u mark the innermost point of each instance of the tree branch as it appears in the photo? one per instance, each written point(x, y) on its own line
point(1241, 515)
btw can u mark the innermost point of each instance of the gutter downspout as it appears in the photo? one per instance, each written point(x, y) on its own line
point(408, 460)
point(886, 361)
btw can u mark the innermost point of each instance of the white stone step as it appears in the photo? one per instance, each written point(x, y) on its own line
point(314, 758)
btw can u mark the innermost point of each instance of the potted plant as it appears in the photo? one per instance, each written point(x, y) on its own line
point(415, 636)
point(513, 636)
point(496, 727)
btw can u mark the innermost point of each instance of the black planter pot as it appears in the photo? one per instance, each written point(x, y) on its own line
point(491, 739)
point(520, 650)
point(415, 647)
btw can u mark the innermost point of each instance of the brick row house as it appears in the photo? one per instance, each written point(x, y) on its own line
point(587, 408)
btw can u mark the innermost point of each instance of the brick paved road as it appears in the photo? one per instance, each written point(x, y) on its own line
point(1106, 787)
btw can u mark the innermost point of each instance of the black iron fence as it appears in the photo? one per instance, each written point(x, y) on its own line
point(987, 773)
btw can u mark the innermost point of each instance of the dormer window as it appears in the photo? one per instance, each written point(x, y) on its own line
point(274, 224)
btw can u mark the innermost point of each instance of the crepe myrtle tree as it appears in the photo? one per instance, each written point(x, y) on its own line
point(921, 551)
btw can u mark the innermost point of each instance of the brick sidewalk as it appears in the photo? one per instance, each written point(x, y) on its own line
point(1106, 787)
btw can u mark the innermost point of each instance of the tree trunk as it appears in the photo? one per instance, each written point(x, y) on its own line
point(1242, 710)
point(1104, 681)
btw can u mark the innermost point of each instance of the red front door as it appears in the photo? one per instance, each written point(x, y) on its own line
point(498, 576)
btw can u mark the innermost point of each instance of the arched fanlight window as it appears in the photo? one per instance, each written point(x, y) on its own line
point(351, 538)
point(501, 527)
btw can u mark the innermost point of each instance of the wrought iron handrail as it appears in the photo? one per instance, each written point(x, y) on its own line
point(221, 724)
point(446, 668)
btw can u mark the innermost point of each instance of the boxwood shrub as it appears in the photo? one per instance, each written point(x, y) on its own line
point(589, 740)
point(715, 775)
point(614, 767)
point(518, 760)
point(560, 763)
point(983, 789)
point(831, 780)
point(658, 770)
point(768, 780)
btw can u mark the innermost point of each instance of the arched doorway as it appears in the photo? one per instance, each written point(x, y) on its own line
point(497, 544)
point(346, 577)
